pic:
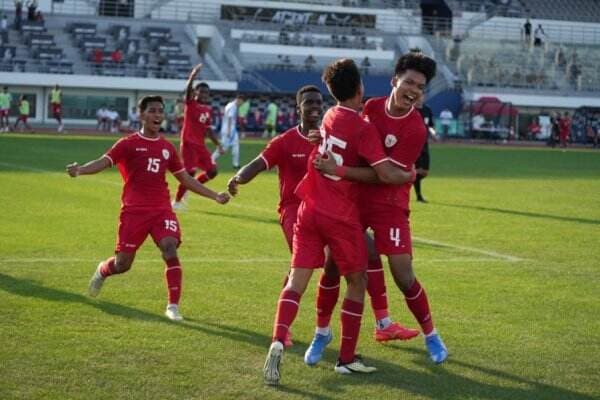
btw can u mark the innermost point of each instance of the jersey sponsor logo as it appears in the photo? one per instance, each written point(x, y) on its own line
point(141, 149)
point(166, 154)
point(390, 140)
point(298, 155)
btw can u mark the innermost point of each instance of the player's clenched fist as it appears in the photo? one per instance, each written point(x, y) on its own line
point(73, 170)
point(222, 198)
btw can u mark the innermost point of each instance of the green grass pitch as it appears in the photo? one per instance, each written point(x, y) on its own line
point(508, 249)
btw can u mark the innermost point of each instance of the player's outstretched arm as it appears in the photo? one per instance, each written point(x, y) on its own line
point(190, 83)
point(192, 184)
point(89, 168)
point(246, 174)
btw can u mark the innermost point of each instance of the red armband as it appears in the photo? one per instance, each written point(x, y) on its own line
point(340, 171)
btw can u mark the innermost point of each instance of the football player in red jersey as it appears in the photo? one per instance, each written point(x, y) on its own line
point(328, 216)
point(289, 152)
point(143, 159)
point(385, 207)
point(196, 126)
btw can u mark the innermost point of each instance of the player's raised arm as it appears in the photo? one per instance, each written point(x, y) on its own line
point(189, 88)
point(196, 187)
point(89, 168)
point(246, 174)
point(384, 172)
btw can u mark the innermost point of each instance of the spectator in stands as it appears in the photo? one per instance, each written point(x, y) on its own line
point(23, 114)
point(365, 64)
point(18, 14)
point(131, 48)
point(98, 58)
point(31, 10)
point(446, 118)
point(133, 119)
point(270, 120)
point(39, 17)
point(564, 129)
point(141, 64)
point(4, 29)
point(8, 55)
point(287, 63)
point(102, 118)
point(309, 63)
point(527, 32)
point(534, 129)
point(592, 134)
point(560, 59)
point(117, 56)
point(554, 130)
point(538, 36)
point(122, 35)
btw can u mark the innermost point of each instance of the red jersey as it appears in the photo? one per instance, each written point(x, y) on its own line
point(143, 163)
point(353, 141)
point(403, 138)
point(289, 152)
point(196, 122)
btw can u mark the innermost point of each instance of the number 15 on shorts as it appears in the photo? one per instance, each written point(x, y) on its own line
point(171, 225)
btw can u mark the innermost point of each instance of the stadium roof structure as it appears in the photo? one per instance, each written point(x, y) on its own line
point(492, 106)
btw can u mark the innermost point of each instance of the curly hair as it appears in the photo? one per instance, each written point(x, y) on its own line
point(342, 79)
point(416, 61)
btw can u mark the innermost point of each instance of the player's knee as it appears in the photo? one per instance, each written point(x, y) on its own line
point(168, 248)
point(123, 265)
point(211, 173)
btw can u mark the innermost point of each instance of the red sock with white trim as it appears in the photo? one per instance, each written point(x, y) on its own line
point(351, 318)
point(416, 299)
point(327, 296)
point(377, 290)
point(107, 268)
point(287, 309)
point(173, 274)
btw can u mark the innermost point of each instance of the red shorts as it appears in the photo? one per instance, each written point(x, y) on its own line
point(196, 156)
point(135, 226)
point(4, 113)
point(23, 118)
point(391, 226)
point(56, 109)
point(314, 231)
point(287, 218)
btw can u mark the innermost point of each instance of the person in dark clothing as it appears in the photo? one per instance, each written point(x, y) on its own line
point(422, 164)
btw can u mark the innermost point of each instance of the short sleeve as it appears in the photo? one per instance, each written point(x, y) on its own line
point(409, 146)
point(370, 147)
point(271, 155)
point(118, 152)
point(175, 164)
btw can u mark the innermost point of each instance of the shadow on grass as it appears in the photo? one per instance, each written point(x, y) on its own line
point(521, 213)
point(436, 383)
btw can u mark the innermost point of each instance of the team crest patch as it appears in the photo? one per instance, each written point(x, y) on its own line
point(390, 140)
point(166, 154)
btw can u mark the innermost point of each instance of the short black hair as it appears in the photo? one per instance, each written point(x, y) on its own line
point(305, 89)
point(416, 61)
point(342, 79)
point(144, 101)
point(202, 84)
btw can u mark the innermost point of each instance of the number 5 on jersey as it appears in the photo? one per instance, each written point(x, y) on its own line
point(327, 146)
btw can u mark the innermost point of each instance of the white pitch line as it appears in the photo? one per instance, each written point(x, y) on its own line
point(489, 253)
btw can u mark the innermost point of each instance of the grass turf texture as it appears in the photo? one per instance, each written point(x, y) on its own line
point(520, 323)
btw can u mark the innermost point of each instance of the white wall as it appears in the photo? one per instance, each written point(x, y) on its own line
point(539, 100)
point(330, 52)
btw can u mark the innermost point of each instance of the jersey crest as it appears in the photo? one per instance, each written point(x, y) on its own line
point(166, 154)
point(390, 140)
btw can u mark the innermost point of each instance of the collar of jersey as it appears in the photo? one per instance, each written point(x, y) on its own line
point(412, 108)
point(300, 133)
point(347, 109)
point(139, 133)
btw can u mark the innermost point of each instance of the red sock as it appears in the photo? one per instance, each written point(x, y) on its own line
point(287, 308)
point(203, 177)
point(173, 277)
point(180, 192)
point(351, 318)
point(327, 296)
point(108, 268)
point(376, 289)
point(416, 299)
